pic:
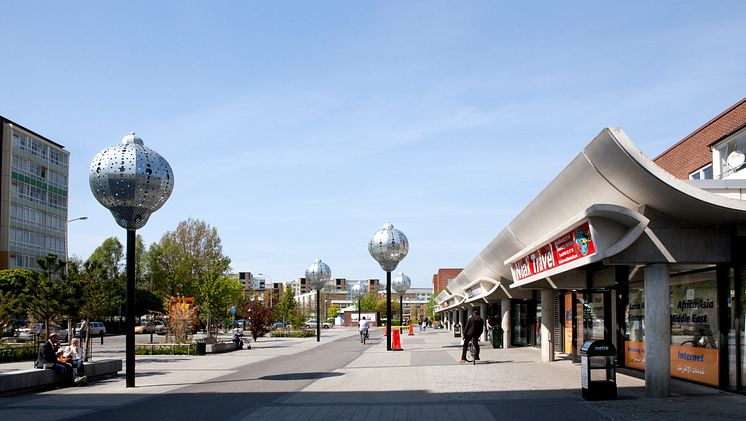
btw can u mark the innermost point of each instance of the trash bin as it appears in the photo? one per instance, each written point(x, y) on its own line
point(201, 348)
point(598, 370)
point(497, 338)
point(457, 330)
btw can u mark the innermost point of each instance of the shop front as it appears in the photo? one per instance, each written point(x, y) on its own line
point(615, 248)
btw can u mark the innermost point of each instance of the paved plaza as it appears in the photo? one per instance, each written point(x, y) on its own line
point(341, 379)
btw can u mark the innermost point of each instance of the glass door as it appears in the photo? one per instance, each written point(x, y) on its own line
point(519, 315)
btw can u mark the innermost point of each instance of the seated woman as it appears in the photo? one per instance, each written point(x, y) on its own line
point(74, 353)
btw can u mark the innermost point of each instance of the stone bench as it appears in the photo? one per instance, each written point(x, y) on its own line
point(219, 347)
point(36, 378)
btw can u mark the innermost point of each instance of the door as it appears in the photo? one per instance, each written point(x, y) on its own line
point(520, 331)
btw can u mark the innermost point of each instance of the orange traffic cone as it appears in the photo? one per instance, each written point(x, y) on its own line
point(411, 330)
point(396, 341)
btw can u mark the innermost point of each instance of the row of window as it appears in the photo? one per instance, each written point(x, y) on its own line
point(26, 238)
point(23, 261)
point(39, 172)
point(27, 143)
point(38, 195)
point(37, 217)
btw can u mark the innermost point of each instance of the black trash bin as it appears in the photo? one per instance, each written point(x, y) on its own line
point(457, 330)
point(201, 347)
point(598, 370)
point(497, 338)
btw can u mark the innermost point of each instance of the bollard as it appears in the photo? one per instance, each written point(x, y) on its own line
point(151, 337)
point(102, 337)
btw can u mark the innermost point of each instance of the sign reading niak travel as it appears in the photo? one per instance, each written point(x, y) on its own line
point(573, 245)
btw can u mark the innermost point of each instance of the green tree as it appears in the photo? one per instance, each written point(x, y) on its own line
point(369, 302)
point(215, 295)
point(286, 306)
point(109, 256)
point(332, 311)
point(381, 307)
point(50, 296)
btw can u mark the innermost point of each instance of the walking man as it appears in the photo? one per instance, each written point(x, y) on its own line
point(472, 332)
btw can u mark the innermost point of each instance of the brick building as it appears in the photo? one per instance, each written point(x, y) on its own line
point(441, 279)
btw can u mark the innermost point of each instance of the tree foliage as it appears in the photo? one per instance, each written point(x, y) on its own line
point(286, 306)
point(260, 316)
point(369, 302)
point(215, 295)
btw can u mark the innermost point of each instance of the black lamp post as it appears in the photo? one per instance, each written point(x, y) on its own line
point(132, 181)
point(318, 275)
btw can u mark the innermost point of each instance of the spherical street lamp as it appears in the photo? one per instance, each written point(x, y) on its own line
point(389, 246)
point(318, 275)
point(358, 290)
point(401, 286)
point(132, 181)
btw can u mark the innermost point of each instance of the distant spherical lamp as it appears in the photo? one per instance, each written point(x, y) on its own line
point(131, 180)
point(318, 275)
point(401, 285)
point(358, 291)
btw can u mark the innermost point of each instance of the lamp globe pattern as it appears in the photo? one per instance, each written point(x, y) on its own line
point(131, 180)
point(389, 246)
point(318, 275)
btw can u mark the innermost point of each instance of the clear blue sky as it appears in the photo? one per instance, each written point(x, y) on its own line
point(298, 129)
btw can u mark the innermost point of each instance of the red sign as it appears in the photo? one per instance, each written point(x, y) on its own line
point(571, 246)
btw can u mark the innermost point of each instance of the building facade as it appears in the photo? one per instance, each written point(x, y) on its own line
point(33, 197)
point(443, 277)
point(618, 249)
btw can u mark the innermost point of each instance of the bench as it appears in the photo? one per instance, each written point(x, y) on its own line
point(36, 378)
point(220, 347)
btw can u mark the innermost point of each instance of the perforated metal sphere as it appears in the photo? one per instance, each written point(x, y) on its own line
point(358, 290)
point(318, 274)
point(131, 180)
point(389, 246)
point(401, 283)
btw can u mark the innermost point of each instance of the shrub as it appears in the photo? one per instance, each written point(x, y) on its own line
point(292, 334)
point(171, 349)
point(18, 353)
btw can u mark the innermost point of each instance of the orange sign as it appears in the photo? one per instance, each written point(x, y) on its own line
point(634, 355)
point(696, 364)
point(568, 323)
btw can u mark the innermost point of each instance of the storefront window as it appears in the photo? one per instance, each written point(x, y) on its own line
point(694, 327)
point(634, 344)
point(595, 316)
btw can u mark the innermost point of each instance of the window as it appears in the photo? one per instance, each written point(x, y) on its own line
point(731, 154)
point(704, 173)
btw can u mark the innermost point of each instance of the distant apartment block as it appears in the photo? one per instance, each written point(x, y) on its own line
point(33, 197)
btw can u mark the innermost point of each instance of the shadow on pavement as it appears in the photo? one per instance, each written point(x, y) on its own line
point(301, 376)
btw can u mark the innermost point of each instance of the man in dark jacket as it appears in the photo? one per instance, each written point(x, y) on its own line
point(48, 353)
point(472, 332)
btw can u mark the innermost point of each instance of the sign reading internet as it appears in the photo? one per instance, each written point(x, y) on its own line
point(571, 246)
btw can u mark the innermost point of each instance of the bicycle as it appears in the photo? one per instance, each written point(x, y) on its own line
point(363, 336)
point(471, 356)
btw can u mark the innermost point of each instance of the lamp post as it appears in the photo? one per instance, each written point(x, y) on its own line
point(318, 274)
point(389, 246)
point(132, 181)
point(82, 218)
point(401, 285)
point(358, 290)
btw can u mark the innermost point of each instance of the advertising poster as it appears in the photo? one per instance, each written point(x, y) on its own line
point(568, 323)
point(634, 355)
point(570, 246)
point(696, 364)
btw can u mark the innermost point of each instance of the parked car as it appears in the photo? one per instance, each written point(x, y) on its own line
point(145, 327)
point(160, 327)
point(241, 324)
point(311, 324)
point(95, 328)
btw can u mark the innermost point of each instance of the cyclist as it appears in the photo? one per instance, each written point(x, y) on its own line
point(472, 331)
point(363, 329)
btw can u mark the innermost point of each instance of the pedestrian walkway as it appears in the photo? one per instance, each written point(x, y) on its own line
point(422, 382)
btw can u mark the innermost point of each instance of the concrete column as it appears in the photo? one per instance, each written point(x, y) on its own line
point(505, 321)
point(483, 315)
point(657, 331)
point(547, 326)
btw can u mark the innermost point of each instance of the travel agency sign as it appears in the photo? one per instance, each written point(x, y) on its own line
point(555, 255)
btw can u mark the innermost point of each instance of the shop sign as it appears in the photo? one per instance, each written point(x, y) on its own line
point(474, 291)
point(569, 247)
point(687, 362)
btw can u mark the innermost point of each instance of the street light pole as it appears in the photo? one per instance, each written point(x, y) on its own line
point(82, 218)
point(401, 285)
point(132, 181)
point(318, 274)
point(388, 247)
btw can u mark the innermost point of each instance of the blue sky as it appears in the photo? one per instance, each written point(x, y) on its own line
point(298, 129)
